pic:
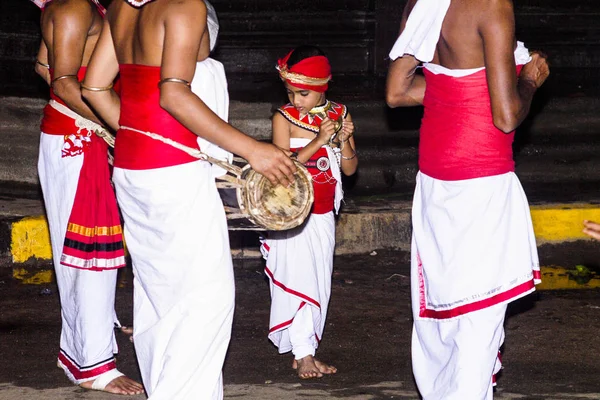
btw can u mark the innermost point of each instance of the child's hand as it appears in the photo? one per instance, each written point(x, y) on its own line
point(326, 131)
point(347, 131)
point(592, 229)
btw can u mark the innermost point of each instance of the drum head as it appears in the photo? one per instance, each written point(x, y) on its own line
point(277, 207)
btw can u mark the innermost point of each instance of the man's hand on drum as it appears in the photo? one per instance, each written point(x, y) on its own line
point(273, 163)
point(326, 131)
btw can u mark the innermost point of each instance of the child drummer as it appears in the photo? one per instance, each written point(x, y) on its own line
point(299, 262)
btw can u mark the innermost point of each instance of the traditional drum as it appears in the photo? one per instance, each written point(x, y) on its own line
point(251, 202)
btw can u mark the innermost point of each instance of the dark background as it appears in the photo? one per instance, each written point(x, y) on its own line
point(356, 34)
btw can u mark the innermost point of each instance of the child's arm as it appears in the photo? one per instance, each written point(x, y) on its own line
point(349, 157)
point(282, 134)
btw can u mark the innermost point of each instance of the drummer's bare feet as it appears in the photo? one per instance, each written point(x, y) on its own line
point(120, 385)
point(309, 368)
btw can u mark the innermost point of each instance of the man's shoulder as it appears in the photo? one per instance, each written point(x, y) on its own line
point(185, 6)
point(70, 8)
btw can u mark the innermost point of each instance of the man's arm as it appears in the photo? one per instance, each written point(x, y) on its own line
point(71, 24)
point(42, 58)
point(404, 87)
point(510, 96)
point(101, 73)
point(185, 23)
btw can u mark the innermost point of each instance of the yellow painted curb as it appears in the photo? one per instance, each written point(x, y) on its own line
point(37, 278)
point(558, 278)
point(559, 222)
point(30, 238)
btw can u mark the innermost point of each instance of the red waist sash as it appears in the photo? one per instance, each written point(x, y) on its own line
point(140, 109)
point(458, 139)
point(319, 166)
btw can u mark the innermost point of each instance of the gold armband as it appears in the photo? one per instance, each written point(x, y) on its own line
point(174, 80)
point(47, 66)
point(61, 78)
point(96, 89)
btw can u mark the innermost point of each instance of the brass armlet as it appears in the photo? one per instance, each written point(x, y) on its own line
point(47, 66)
point(61, 78)
point(174, 80)
point(96, 89)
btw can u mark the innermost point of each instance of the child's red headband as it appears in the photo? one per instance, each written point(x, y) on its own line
point(312, 73)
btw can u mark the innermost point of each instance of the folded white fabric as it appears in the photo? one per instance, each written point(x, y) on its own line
point(104, 379)
point(422, 30)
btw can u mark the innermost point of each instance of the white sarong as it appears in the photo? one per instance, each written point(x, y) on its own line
point(299, 264)
point(87, 342)
point(176, 232)
point(473, 251)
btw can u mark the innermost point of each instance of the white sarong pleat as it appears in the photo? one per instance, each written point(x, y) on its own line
point(87, 342)
point(299, 264)
point(477, 234)
point(176, 232)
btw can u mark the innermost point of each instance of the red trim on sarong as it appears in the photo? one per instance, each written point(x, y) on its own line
point(140, 109)
point(94, 237)
point(80, 373)
point(458, 139)
point(506, 296)
point(290, 291)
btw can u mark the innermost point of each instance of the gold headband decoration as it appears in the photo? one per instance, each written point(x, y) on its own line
point(294, 77)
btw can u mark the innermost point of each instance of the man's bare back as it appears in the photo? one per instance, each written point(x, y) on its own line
point(144, 43)
point(475, 33)
point(70, 31)
point(62, 18)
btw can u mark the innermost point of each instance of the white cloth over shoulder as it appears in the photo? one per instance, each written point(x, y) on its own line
point(335, 168)
point(422, 31)
point(213, 24)
point(422, 34)
point(210, 85)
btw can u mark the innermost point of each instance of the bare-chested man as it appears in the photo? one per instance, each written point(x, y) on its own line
point(86, 281)
point(473, 247)
point(175, 225)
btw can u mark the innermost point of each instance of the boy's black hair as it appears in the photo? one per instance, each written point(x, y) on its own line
point(302, 52)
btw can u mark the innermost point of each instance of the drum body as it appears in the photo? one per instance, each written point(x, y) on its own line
point(253, 203)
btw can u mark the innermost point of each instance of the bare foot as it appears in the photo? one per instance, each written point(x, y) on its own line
point(309, 367)
point(121, 385)
point(128, 330)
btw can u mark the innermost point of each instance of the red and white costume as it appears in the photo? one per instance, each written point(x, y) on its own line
point(299, 262)
point(473, 246)
point(176, 232)
point(86, 237)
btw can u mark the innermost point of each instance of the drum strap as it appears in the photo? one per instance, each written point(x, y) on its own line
point(189, 150)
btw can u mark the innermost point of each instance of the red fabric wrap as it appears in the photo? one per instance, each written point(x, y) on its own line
point(458, 139)
point(53, 121)
point(312, 67)
point(94, 238)
point(323, 181)
point(140, 109)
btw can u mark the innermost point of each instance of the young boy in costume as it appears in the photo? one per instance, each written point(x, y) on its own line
point(299, 262)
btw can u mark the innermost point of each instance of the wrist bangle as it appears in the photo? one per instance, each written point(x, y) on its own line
point(174, 80)
point(47, 66)
point(96, 89)
point(60, 78)
point(349, 158)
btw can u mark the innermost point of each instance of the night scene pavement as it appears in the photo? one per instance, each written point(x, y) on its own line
point(551, 350)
